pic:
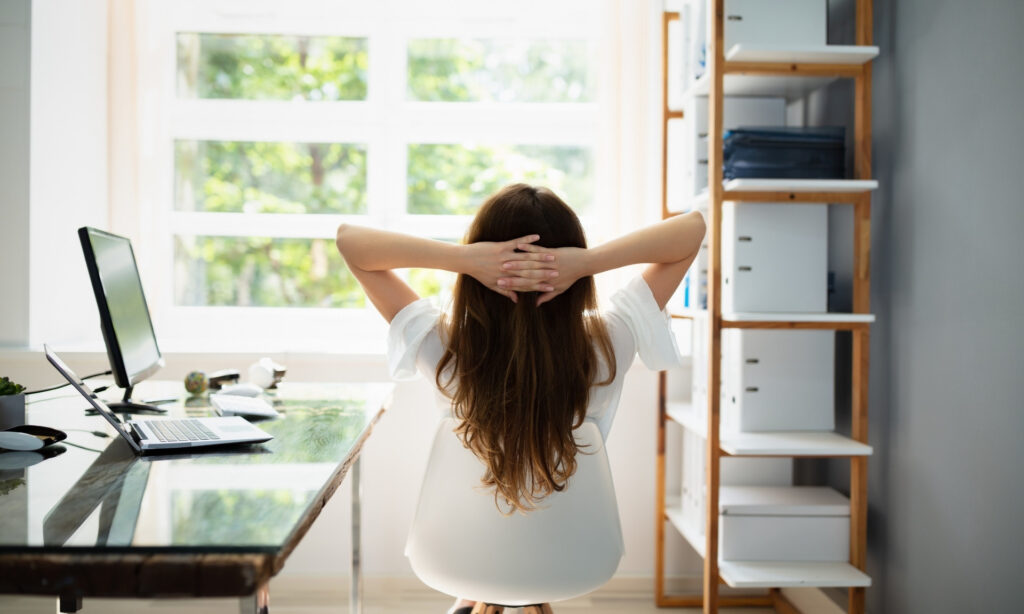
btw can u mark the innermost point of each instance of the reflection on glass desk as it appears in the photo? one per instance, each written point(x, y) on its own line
point(99, 498)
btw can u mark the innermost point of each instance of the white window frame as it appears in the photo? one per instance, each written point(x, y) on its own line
point(386, 123)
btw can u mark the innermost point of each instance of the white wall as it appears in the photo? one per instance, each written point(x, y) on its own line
point(53, 86)
point(68, 161)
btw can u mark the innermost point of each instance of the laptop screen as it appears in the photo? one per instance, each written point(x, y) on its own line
point(86, 392)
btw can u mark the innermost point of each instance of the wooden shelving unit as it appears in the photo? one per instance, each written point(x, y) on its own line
point(789, 72)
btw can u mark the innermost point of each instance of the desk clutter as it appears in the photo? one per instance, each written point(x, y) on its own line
point(265, 374)
point(247, 407)
point(230, 398)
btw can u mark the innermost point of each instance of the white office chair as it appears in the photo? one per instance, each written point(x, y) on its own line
point(460, 544)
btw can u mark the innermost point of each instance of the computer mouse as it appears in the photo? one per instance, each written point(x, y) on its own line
point(20, 442)
point(243, 390)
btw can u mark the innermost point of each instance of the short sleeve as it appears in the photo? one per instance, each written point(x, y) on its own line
point(406, 334)
point(650, 326)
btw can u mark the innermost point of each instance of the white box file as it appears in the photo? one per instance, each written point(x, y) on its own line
point(692, 489)
point(776, 22)
point(693, 291)
point(796, 523)
point(699, 360)
point(738, 472)
point(736, 112)
point(774, 258)
point(778, 380)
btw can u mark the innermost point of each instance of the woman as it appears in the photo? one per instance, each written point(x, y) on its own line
point(524, 356)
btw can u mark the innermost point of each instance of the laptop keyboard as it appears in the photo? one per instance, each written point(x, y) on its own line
point(181, 430)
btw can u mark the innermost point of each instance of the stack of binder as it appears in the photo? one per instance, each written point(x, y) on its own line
point(785, 153)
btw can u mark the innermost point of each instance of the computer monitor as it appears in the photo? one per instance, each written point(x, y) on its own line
point(124, 316)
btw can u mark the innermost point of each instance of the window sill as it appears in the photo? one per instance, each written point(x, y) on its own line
point(28, 366)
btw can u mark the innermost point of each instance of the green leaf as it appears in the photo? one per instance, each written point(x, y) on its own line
point(7, 387)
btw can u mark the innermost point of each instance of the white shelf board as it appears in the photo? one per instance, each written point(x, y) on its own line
point(792, 443)
point(700, 201)
point(781, 443)
point(746, 316)
point(684, 414)
point(782, 501)
point(802, 54)
point(786, 87)
point(784, 574)
point(846, 186)
point(674, 513)
point(697, 202)
point(801, 185)
point(692, 314)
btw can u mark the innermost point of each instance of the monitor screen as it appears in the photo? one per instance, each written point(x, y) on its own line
point(124, 315)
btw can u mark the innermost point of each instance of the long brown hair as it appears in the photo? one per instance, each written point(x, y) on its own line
point(518, 374)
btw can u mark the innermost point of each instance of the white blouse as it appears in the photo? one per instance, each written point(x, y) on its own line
point(634, 322)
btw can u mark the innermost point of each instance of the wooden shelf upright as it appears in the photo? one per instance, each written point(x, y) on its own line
point(744, 71)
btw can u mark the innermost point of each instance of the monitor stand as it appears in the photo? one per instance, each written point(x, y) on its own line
point(127, 406)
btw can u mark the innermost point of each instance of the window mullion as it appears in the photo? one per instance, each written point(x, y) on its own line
point(277, 225)
point(386, 160)
point(258, 120)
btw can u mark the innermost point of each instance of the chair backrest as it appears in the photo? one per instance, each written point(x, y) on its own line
point(460, 544)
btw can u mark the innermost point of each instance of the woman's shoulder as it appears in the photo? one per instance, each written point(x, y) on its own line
point(408, 331)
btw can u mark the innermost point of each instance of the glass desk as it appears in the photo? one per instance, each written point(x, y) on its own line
point(89, 518)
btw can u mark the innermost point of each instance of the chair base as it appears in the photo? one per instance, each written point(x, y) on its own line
point(489, 608)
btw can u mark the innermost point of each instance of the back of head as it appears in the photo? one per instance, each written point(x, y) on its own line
point(519, 374)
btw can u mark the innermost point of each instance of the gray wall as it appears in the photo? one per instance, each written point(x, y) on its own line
point(15, 27)
point(947, 417)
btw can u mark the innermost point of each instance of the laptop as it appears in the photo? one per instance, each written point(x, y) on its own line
point(146, 436)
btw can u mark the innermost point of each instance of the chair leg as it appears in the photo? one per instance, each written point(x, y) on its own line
point(540, 608)
point(486, 608)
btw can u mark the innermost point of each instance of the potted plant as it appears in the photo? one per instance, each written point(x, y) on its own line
point(12, 403)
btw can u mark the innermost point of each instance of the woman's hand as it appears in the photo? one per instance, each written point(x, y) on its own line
point(570, 264)
point(491, 263)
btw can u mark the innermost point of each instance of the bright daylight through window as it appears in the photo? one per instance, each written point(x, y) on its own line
point(278, 137)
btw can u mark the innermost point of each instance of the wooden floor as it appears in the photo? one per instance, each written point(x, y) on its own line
point(304, 597)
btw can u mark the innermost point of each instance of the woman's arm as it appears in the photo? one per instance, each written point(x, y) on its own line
point(371, 255)
point(670, 246)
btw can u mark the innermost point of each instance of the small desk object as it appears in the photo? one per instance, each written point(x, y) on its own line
point(89, 518)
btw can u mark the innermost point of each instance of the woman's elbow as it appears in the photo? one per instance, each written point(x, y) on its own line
point(351, 245)
point(698, 229)
point(700, 226)
point(340, 242)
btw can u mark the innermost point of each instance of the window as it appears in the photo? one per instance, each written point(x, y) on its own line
point(274, 122)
